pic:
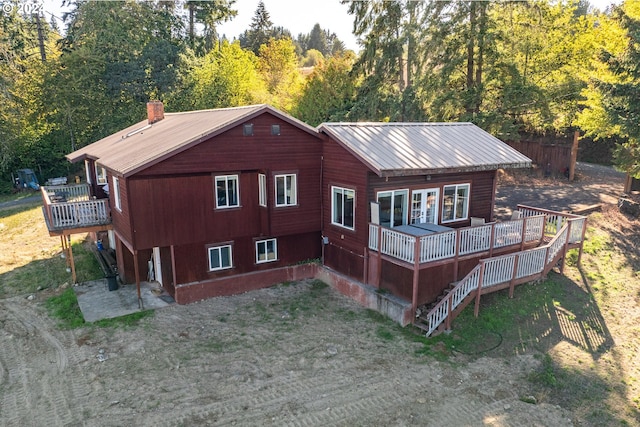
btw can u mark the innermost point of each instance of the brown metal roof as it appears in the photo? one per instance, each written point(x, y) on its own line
point(142, 145)
point(391, 149)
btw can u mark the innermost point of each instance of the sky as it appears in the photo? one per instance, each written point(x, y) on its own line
point(298, 16)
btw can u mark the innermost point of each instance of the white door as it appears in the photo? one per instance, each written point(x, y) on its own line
point(157, 265)
point(424, 206)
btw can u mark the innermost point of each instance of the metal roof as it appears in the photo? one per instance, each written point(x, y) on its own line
point(142, 145)
point(395, 149)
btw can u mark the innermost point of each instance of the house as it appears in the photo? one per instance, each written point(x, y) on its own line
point(442, 174)
point(211, 202)
point(218, 202)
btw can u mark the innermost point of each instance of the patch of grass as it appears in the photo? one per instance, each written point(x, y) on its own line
point(385, 334)
point(127, 321)
point(546, 375)
point(65, 308)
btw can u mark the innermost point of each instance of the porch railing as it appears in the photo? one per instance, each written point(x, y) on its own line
point(71, 206)
point(512, 268)
point(462, 241)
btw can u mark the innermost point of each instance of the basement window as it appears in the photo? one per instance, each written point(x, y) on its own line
point(220, 258)
point(266, 251)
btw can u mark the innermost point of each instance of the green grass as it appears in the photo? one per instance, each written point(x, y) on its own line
point(65, 309)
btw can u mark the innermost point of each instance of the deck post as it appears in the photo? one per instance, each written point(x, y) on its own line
point(523, 237)
point(492, 239)
point(513, 275)
point(447, 320)
point(136, 270)
point(476, 310)
point(565, 249)
point(416, 275)
point(379, 271)
point(71, 261)
point(456, 255)
point(584, 232)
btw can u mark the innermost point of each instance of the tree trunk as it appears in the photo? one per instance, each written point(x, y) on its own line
point(470, 51)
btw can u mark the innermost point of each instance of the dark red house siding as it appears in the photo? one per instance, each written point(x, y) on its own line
point(481, 197)
point(173, 203)
point(345, 250)
point(192, 262)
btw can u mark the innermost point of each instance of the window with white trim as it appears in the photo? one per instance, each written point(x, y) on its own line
point(220, 257)
point(343, 207)
point(266, 251)
point(286, 190)
point(455, 202)
point(394, 207)
point(116, 193)
point(227, 191)
point(262, 189)
point(101, 175)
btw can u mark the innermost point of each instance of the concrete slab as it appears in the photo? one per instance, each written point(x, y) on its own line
point(97, 302)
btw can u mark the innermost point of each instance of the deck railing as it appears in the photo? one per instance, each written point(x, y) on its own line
point(71, 206)
point(459, 242)
point(511, 268)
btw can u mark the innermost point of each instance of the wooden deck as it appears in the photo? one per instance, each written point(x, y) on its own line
point(460, 242)
point(70, 209)
point(507, 271)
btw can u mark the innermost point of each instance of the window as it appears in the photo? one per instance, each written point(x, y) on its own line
point(342, 207)
point(286, 190)
point(87, 170)
point(101, 175)
point(247, 129)
point(394, 206)
point(455, 203)
point(266, 251)
point(262, 189)
point(275, 129)
point(227, 191)
point(220, 258)
point(116, 193)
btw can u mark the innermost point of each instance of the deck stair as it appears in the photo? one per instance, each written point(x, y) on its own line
point(505, 271)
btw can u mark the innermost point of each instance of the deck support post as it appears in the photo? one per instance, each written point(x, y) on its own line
point(379, 271)
point(136, 270)
point(72, 263)
point(513, 275)
point(456, 255)
point(416, 275)
point(565, 249)
point(584, 231)
point(480, 280)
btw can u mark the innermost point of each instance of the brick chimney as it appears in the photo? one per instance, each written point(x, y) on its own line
point(155, 111)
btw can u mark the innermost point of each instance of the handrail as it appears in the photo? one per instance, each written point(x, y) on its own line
point(466, 240)
point(503, 269)
point(67, 193)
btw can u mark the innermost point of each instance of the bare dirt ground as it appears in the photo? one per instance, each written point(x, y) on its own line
point(295, 354)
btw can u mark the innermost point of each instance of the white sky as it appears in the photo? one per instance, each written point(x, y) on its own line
point(298, 16)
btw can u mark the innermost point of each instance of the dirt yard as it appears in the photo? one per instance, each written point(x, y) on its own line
point(295, 354)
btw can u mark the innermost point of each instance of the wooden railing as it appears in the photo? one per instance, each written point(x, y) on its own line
point(459, 242)
point(512, 268)
point(72, 207)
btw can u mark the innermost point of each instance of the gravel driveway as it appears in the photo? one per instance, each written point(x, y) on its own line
point(594, 184)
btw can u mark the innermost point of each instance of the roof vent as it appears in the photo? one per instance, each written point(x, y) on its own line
point(155, 111)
